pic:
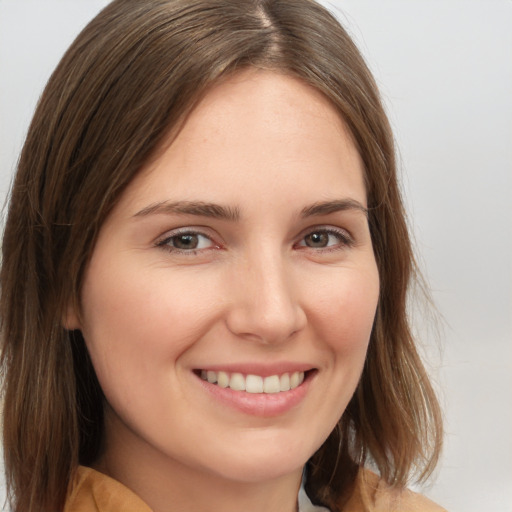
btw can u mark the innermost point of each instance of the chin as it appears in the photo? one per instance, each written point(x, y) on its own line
point(253, 473)
point(261, 464)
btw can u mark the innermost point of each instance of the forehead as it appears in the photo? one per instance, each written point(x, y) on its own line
point(279, 104)
point(254, 128)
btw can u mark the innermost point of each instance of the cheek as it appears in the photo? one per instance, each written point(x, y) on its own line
point(137, 322)
point(342, 315)
point(344, 311)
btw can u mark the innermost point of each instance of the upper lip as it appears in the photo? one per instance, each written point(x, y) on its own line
point(264, 370)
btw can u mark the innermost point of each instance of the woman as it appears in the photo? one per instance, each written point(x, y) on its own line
point(205, 267)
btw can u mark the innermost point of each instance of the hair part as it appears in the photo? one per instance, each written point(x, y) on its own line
point(129, 79)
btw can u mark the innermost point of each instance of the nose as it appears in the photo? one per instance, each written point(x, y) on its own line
point(265, 303)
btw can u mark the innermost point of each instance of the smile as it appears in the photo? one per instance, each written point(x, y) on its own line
point(254, 383)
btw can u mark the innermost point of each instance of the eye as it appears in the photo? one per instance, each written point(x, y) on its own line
point(186, 241)
point(326, 238)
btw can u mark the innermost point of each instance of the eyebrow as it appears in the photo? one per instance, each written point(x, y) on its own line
point(216, 211)
point(199, 208)
point(337, 205)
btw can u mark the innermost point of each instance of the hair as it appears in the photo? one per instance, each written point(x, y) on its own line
point(128, 80)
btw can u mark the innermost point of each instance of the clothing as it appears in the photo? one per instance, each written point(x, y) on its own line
point(92, 491)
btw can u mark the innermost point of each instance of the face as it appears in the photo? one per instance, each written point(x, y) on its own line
point(229, 301)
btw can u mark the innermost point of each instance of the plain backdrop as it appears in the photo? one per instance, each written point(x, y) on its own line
point(445, 71)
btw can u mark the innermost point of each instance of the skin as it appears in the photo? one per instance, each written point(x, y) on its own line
point(279, 284)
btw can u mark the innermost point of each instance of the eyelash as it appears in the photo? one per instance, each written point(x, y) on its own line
point(164, 244)
point(344, 240)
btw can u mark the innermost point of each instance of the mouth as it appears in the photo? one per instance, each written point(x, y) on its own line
point(271, 384)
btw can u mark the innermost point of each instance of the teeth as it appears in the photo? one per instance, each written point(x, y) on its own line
point(237, 382)
point(285, 382)
point(223, 379)
point(254, 383)
point(272, 384)
point(294, 380)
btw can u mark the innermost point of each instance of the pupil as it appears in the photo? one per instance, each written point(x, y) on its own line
point(317, 239)
point(186, 242)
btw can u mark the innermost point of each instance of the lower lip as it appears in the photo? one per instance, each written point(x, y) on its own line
point(259, 404)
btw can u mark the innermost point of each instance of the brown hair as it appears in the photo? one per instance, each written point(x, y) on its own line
point(132, 75)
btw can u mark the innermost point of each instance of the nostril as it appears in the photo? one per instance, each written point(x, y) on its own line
point(264, 323)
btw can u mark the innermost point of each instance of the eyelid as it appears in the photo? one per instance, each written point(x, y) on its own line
point(346, 238)
point(163, 240)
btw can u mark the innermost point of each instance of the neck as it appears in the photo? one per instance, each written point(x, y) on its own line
point(166, 485)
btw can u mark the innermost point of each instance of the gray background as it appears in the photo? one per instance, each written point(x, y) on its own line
point(445, 70)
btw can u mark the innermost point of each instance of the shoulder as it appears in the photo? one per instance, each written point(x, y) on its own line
point(92, 491)
point(372, 494)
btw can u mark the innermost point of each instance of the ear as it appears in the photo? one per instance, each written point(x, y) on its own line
point(70, 319)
